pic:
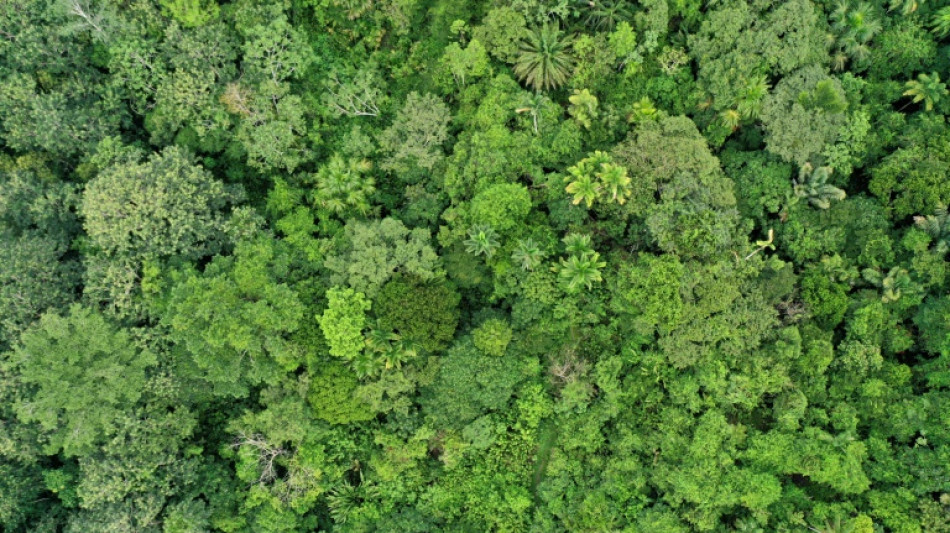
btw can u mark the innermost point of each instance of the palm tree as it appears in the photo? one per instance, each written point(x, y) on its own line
point(893, 284)
point(749, 101)
point(527, 254)
point(605, 14)
point(730, 118)
point(581, 271)
point(940, 23)
point(855, 26)
point(812, 183)
point(390, 350)
point(937, 226)
point(533, 105)
point(583, 188)
point(927, 89)
point(642, 110)
point(583, 107)
point(366, 365)
point(346, 498)
point(906, 6)
point(577, 244)
point(482, 240)
point(380, 339)
point(544, 61)
point(595, 174)
point(342, 186)
point(615, 181)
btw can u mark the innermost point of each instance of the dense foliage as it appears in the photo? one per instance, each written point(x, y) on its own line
point(401, 266)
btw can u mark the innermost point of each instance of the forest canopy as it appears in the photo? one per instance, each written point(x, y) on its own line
point(407, 266)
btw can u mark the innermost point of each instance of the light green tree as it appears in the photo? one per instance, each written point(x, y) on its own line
point(372, 252)
point(343, 322)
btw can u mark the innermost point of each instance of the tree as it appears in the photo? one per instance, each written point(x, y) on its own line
point(33, 279)
point(37, 223)
point(910, 178)
point(500, 31)
point(83, 373)
point(191, 13)
point(544, 61)
point(503, 206)
point(142, 468)
point(331, 395)
point(236, 318)
point(343, 322)
point(493, 336)
point(416, 134)
point(422, 314)
point(68, 120)
point(164, 206)
point(373, 252)
point(465, 64)
point(272, 124)
point(803, 115)
point(927, 88)
point(469, 384)
point(276, 51)
point(354, 92)
point(656, 152)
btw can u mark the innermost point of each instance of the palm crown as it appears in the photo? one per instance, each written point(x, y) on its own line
point(482, 240)
point(582, 268)
point(927, 89)
point(941, 22)
point(527, 254)
point(937, 226)
point(812, 184)
point(342, 186)
point(544, 61)
point(596, 175)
